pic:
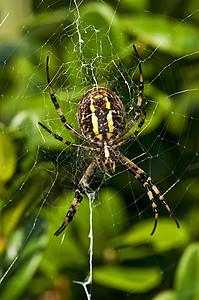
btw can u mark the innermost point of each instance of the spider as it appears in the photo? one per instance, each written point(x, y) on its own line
point(101, 118)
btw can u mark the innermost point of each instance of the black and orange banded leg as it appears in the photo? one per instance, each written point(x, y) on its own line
point(61, 139)
point(162, 199)
point(139, 101)
point(147, 183)
point(152, 200)
point(57, 107)
point(79, 194)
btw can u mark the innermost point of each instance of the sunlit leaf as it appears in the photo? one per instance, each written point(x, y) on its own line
point(111, 209)
point(187, 274)
point(73, 243)
point(25, 262)
point(167, 34)
point(166, 237)
point(7, 157)
point(166, 295)
point(100, 16)
point(126, 279)
point(26, 199)
point(136, 5)
point(186, 277)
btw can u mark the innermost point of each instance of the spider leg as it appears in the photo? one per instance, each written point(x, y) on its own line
point(161, 198)
point(79, 194)
point(54, 100)
point(61, 139)
point(136, 132)
point(147, 183)
point(139, 101)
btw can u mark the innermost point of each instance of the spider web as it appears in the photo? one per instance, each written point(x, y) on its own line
point(108, 243)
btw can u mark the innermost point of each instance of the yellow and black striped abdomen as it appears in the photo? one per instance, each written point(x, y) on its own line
point(100, 111)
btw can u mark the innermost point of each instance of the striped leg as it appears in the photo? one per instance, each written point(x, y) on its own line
point(136, 132)
point(79, 194)
point(61, 139)
point(54, 100)
point(161, 198)
point(147, 183)
point(139, 102)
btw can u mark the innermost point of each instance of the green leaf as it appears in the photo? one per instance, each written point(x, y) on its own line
point(138, 280)
point(25, 263)
point(187, 274)
point(192, 186)
point(74, 240)
point(167, 34)
point(166, 295)
point(100, 15)
point(111, 207)
point(49, 117)
point(166, 237)
point(136, 5)
point(26, 199)
point(7, 157)
point(159, 111)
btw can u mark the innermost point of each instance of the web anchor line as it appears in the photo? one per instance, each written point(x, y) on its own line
point(89, 278)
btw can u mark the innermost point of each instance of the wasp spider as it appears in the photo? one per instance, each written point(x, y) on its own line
point(101, 119)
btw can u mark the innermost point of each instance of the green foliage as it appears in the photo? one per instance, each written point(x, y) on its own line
point(8, 158)
point(186, 277)
point(167, 238)
point(38, 178)
point(156, 31)
point(137, 280)
point(24, 266)
point(106, 240)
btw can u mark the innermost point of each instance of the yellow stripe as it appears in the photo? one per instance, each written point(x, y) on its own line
point(94, 118)
point(108, 105)
point(110, 121)
point(109, 116)
point(106, 151)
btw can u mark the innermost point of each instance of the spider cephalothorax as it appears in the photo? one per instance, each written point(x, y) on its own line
point(102, 123)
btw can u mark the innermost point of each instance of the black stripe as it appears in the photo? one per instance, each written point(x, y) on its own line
point(62, 118)
point(164, 202)
point(78, 196)
point(141, 86)
point(131, 171)
point(56, 104)
point(70, 218)
point(144, 175)
point(147, 187)
point(141, 122)
point(58, 137)
point(68, 126)
point(155, 210)
point(141, 180)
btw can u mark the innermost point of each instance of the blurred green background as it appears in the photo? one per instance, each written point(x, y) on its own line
point(90, 42)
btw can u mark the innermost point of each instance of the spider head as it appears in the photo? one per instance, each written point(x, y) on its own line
point(106, 159)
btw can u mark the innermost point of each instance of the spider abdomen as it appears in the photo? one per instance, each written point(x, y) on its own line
point(100, 113)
